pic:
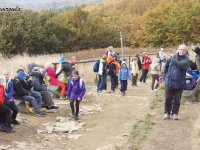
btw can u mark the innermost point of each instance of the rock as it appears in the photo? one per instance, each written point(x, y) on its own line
point(5, 147)
point(49, 129)
point(74, 137)
point(40, 131)
point(108, 147)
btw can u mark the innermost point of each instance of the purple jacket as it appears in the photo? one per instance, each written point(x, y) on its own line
point(74, 90)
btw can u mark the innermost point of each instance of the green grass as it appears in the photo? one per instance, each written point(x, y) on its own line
point(158, 97)
point(140, 131)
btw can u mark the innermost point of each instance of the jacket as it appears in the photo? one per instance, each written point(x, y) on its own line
point(66, 68)
point(52, 75)
point(175, 71)
point(75, 90)
point(146, 62)
point(124, 74)
point(135, 68)
point(197, 61)
point(155, 66)
point(1, 94)
point(38, 84)
point(102, 67)
point(9, 91)
point(21, 87)
point(139, 63)
point(117, 67)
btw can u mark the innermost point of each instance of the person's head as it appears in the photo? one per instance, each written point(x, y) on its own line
point(6, 75)
point(135, 59)
point(124, 64)
point(49, 65)
point(136, 55)
point(75, 74)
point(162, 49)
point(104, 57)
point(144, 54)
point(21, 74)
point(62, 59)
point(182, 50)
point(32, 66)
point(73, 59)
point(110, 48)
point(197, 50)
point(2, 81)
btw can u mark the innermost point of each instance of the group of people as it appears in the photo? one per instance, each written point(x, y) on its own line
point(32, 88)
point(172, 72)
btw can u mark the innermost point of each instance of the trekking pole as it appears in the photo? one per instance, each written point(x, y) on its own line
point(122, 50)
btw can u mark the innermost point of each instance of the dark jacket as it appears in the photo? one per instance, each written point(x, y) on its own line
point(9, 92)
point(66, 68)
point(37, 83)
point(111, 68)
point(139, 63)
point(175, 71)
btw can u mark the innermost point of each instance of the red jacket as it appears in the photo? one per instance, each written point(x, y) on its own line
point(146, 62)
point(1, 95)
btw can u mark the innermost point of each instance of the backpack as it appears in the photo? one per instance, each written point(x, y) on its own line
point(96, 66)
point(110, 71)
point(80, 82)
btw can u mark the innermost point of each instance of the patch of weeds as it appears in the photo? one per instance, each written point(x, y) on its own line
point(140, 131)
point(158, 97)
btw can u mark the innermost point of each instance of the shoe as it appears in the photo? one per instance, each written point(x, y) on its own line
point(62, 98)
point(174, 117)
point(166, 116)
point(99, 91)
point(53, 107)
point(76, 118)
point(15, 122)
point(8, 130)
point(155, 90)
point(40, 114)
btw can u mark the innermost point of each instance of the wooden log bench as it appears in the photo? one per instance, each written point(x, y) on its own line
point(191, 94)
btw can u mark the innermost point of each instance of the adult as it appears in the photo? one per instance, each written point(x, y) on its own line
point(116, 61)
point(110, 51)
point(22, 90)
point(54, 81)
point(139, 62)
point(5, 111)
point(197, 57)
point(175, 81)
point(102, 74)
point(155, 72)
point(146, 62)
point(9, 99)
point(161, 55)
point(72, 61)
point(134, 71)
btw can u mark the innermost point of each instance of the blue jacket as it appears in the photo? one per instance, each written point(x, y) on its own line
point(175, 71)
point(9, 92)
point(124, 74)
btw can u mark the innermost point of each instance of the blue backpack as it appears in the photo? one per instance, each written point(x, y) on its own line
point(96, 66)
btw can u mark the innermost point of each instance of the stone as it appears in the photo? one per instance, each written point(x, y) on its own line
point(40, 131)
point(74, 137)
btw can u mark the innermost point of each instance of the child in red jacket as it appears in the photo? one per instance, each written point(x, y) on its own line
point(5, 112)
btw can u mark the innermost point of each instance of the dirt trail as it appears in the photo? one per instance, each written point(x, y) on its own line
point(173, 135)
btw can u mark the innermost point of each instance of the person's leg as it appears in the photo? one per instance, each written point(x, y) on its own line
point(125, 85)
point(116, 81)
point(168, 99)
point(46, 98)
point(153, 82)
point(77, 108)
point(6, 114)
point(145, 75)
point(14, 109)
point(122, 88)
point(136, 77)
point(142, 76)
point(157, 81)
point(102, 83)
point(99, 82)
point(33, 102)
point(112, 78)
point(37, 96)
point(133, 78)
point(177, 101)
point(63, 88)
point(72, 108)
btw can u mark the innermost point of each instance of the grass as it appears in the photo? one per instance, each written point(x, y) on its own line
point(140, 131)
point(158, 97)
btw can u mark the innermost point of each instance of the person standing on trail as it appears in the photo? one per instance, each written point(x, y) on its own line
point(117, 64)
point(111, 70)
point(124, 76)
point(139, 62)
point(175, 82)
point(102, 74)
point(146, 62)
point(75, 93)
point(155, 72)
point(110, 51)
point(161, 55)
point(134, 71)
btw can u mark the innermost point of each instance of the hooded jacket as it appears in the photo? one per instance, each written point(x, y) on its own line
point(111, 67)
point(9, 91)
point(124, 73)
point(75, 90)
point(37, 83)
point(146, 62)
point(155, 66)
point(1, 95)
point(135, 68)
point(52, 74)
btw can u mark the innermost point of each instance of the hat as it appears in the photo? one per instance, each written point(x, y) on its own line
point(162, 49)
point(62, 59)
point(182, 47)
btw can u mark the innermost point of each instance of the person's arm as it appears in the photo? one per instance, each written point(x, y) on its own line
point(20, 89)
point(69, 89)
point(60, 71)
point(83, 90)
point(119, 75)
point(183, 64)
point(166, 67)
point(10, 92)
point(129, 74)
point(1, 95)
point(37, 86)
point(198, 62)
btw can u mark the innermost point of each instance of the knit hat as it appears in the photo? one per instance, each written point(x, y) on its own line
point(31, 66)
point(62, 59)
point(21, 75)
point(109, 59)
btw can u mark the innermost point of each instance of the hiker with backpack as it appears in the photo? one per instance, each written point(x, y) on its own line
point(101, 73)
point(9, 99)
point(111, 70)
point(146, 62)
point(75, 93)
point(155, 72)
point(5, 111)
point(124, 76)
point(117, 65)
point(175, 82)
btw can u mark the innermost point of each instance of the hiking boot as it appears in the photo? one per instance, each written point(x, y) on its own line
point(174, 117)
point(15, 122)
point(53, 107)
point(76, 118)
point(166, 116)
point(40, 114)
point(63, 98)
point(8, 130)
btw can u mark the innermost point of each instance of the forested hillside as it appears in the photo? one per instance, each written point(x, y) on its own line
point(144, 23)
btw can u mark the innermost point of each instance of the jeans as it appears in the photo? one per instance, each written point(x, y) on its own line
point(155, 78)
point(144, 75)
point(172, 100)
point(46, 98)
point(5, 116)
point(77, 107)
point(101, 82)
point(113, 82)
point(13, 107)
point(134, 79)
point(124, 84)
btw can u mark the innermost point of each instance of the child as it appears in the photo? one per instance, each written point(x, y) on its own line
point(124, 75)
point(5, 111)
point(135, 71)
point(75, 92)
point(9, 92)
point(155, 71)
